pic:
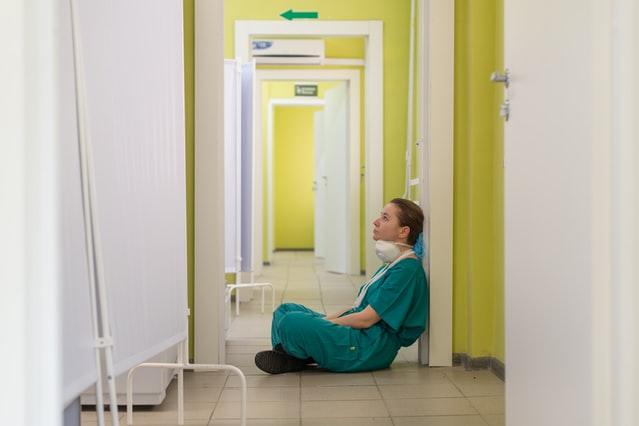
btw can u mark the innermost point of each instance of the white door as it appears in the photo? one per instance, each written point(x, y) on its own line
point(336, 217)
point(551, 51)
point(319, 186)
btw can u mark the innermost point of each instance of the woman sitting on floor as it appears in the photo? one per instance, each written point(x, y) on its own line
point(390, 310)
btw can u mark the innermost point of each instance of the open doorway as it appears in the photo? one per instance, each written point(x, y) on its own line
point(293, 205)
point(311, 169)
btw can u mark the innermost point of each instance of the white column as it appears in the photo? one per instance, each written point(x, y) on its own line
point(209, 181)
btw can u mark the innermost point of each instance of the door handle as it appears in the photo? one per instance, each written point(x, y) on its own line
point(497, 77)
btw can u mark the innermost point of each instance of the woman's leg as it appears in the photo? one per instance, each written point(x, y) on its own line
point(281, 312)
point(304, 334)
point(334, 347)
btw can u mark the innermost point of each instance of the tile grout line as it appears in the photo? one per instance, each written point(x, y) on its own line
point(381, 395)
point(217, 404)
point(484, 419)
point(321, 292)
point(300, 399)
point(299, 383)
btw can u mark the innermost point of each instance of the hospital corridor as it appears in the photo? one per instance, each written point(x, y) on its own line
point(319, 212)
point(405, 394)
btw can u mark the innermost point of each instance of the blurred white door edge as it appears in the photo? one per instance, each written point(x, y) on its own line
point(571, 208)
point(319, 186)
point(338, 185)
point(29, 246)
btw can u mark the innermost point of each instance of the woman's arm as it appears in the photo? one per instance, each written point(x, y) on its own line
point(364, 319)
point(335, 315)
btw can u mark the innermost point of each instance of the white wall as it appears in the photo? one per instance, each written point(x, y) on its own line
point(29, 251)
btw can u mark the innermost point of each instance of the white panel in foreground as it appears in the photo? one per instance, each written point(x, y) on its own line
point(134, 71)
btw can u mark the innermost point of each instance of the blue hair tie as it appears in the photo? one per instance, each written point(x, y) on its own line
point(418, 248)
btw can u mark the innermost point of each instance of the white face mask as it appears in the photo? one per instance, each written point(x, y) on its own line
point(388, 251)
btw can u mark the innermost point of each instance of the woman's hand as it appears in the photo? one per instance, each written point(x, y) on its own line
point(364, 319)
point(335, 315)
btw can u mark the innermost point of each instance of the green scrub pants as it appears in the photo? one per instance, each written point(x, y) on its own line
point(304, 333)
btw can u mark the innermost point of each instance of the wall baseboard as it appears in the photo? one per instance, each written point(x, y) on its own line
point(481, 363)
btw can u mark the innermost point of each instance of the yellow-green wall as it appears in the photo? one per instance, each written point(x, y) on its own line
point(478, 182)
point(189, 112)
point(294, 173)
point(339, 47)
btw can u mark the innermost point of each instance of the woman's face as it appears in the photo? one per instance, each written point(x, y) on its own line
point(387, 228)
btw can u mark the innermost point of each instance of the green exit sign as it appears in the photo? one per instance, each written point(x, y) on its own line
point(306, 90)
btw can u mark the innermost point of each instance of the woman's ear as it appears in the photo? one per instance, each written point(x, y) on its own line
point(404, 232)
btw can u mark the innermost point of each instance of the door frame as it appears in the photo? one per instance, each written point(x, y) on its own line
point(352, 78)
point(293, 102)
point(435, 130)
point(270, 145)
point(373, 111)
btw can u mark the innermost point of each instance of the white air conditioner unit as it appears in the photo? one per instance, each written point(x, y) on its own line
point(288, 51)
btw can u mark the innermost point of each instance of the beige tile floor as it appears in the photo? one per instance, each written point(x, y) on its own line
point(406, 394)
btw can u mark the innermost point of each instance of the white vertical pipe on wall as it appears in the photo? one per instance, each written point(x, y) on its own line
point(409, 108)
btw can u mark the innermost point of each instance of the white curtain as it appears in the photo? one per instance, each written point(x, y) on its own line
point(134, 71)
point(248, 94)
point(238, 166)
point(232, 180)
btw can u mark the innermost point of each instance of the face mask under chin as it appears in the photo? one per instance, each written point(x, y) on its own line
point(388, 251)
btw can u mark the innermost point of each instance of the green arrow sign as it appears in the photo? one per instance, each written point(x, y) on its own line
point(290, 15)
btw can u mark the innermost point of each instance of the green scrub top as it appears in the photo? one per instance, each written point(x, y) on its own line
point(400, 298)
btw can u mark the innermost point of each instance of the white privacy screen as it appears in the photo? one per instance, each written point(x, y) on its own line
point(248, 93)
point(134, 72)
point(79, 368)
point(232, 181)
